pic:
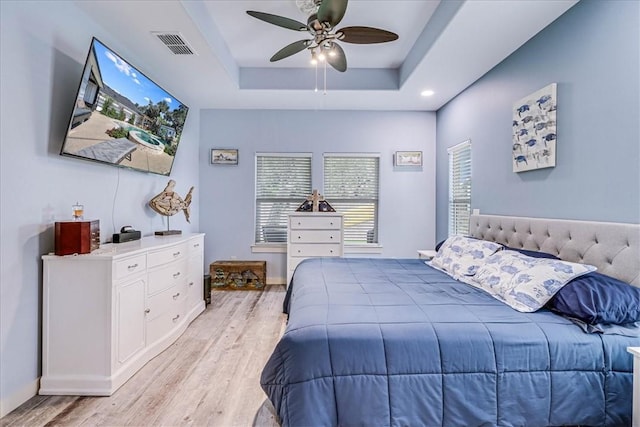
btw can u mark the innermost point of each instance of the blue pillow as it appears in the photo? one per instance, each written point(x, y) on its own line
point(534, 254)
point(595, 298)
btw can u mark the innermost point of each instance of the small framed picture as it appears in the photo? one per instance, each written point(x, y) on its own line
point(224, 156)
point(407, 158)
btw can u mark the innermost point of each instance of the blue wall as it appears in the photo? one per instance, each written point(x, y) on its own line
point(592, 52)
point(44, 46)
point(406, 219)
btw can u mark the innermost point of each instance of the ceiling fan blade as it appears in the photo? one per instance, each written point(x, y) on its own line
point(366, 35)
point(338, 60)
point(280, 21)
point(289, 50)
point(332, 11)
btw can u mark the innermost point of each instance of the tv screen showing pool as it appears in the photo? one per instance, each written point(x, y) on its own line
point(122, 118)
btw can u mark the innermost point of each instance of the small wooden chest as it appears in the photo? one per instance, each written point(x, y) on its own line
point(238, 275)
point(76, 237)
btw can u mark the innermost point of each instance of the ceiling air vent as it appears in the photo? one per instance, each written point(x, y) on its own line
point(175, 42)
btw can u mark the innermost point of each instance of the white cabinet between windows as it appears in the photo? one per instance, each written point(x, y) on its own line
point(107, 313)
point(313, 234)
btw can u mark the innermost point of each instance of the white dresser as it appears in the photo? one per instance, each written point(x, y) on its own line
point(313, 234)
point(107, 313)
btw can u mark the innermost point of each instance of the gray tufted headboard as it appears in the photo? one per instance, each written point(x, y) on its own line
point(614, 248)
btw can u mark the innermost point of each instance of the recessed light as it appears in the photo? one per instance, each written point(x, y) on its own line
point(427, 92)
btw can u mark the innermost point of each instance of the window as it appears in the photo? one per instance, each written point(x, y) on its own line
point(459, 188)
point(351, 187)
point(283, 181)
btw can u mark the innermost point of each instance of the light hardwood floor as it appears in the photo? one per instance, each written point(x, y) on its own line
point(209, 376)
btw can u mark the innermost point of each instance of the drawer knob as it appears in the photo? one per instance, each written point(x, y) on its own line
point(176, 275)
point(299, 223)
point(190, 283)
point(331, 223)
point(196, 245)
point(176, 295)
point(176, 318)
point(331, 237)
point(147, 311)
point(131, 267)
point(330, 251)
point(175, 254)
point(298, 250)
point(299, 237)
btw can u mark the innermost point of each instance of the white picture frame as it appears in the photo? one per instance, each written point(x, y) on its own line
point(534, 130)
point(407, 158)
point(224, 156)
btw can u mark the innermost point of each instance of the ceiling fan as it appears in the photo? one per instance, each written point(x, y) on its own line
point(325, 15)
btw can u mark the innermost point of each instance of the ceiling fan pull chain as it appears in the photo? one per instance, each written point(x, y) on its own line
point(316, 66)
point(325, 78)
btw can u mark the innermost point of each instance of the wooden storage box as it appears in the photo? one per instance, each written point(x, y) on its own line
point(238, 274)
point(76, 237)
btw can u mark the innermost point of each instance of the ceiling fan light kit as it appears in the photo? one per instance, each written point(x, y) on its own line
point(324, 15)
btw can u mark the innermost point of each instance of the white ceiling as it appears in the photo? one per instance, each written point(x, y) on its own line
point(443, 46)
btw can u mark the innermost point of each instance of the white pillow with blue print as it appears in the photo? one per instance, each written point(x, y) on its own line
point(462, 256)
point(525, 283)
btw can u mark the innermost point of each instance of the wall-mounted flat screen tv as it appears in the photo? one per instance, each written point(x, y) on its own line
point(122, 118)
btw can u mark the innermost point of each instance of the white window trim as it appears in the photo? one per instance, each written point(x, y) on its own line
point(363, 248)
point(363, 154)
point(266, 154)
point(359, 248)
point(458, 146)
point(271, 247)
point(281, 248)
point(455, 148)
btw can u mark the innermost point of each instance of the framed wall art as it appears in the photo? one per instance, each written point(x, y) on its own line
point(534, 130)
point(407, 158)
point(224, 156)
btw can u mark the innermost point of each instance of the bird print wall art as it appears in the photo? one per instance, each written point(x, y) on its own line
point(534, 130)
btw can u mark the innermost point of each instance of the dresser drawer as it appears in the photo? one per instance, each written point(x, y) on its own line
point(315, 236)
point(315, 250)
point(129, 266)
point(196, 245)
point(167, 255)
point(169, 301)
point(195, 280)
point(321, 222)
point(195, 292)
point(162, 325)
point(165, 277)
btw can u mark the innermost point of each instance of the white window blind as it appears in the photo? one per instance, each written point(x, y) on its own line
point(283, 181)
point(459, 188)
point(351, 183)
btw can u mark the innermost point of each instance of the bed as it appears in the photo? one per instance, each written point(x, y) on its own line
point(396, 342)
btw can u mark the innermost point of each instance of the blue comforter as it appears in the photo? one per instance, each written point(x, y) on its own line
point(379, 342)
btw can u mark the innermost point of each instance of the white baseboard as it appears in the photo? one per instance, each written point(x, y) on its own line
point(276, 280)
point(17, 398)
